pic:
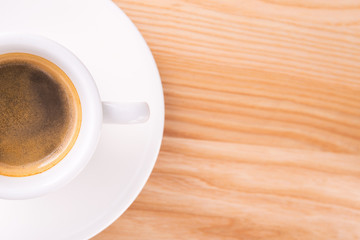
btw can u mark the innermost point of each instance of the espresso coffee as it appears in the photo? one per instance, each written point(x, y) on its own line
point(40, 114)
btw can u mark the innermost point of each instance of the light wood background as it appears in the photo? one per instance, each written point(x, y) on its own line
point(262, 133)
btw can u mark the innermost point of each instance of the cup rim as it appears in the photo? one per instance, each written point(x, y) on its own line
point(80, 154)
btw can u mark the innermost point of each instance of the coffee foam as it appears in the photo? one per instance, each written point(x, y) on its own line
point(40, 114)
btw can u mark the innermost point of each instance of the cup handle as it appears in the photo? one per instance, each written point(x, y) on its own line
point(125, 113)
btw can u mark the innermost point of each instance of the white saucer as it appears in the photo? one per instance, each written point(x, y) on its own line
point(100, 34)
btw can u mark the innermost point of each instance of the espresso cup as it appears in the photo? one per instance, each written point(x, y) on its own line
point(51, 115)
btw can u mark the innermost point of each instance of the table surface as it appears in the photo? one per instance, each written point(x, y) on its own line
point(262, 132)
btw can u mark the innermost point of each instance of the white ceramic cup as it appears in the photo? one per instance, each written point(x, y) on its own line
point(94, 113)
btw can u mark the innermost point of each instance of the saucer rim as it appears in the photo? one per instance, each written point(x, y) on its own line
point(111, 215)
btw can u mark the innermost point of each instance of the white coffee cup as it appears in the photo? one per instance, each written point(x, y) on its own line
point(94, 113)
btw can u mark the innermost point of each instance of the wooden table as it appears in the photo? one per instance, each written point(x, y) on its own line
point(262, 133)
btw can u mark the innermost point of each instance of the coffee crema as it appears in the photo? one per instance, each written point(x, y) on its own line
point(40, 114)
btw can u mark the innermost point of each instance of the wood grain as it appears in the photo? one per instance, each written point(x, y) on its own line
point(262, 133)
